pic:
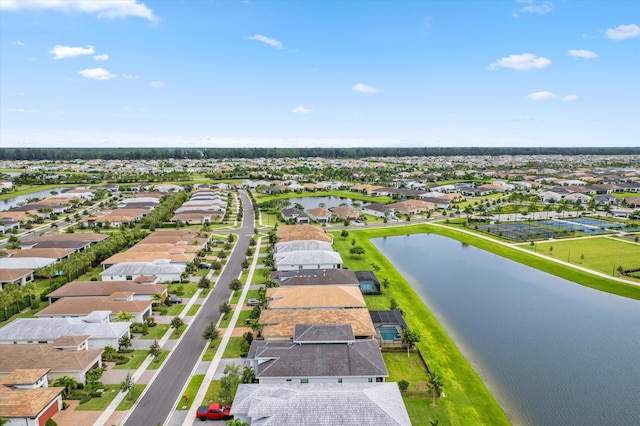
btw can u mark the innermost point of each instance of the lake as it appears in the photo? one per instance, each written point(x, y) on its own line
point(552, 352)
point(15, 201)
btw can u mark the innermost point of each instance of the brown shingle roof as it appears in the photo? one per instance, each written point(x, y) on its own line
point(105, 288)
point(66, 341)
point(50, 253)
point(24, 376)
point(8, 275)
point(280, 324)
point(45, 356)
point(315, 297)
point(18, 403)
point(86, 305)
point(302, 232)
point(141, 256)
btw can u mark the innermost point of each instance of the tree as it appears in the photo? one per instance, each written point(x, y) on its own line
point(204, 283)
point(157, 298)
point(124, 343)
point(155, 349)
point(236, 422)
point(357, 250)
point(94, 375)
point(344, 233)
point(385, 283)
point(210, 332)
point(235, 284)
point(224, 308)
point(230, 238)
point(177, 322)
point(127, 385)
point(68, 383)
point(409, 338)
point(229, 383)
point(4, 421)
point(403, 385)
point(123, 316)
point(108, 353)
point(248, 375)
point(393, 304)
point(436, 385)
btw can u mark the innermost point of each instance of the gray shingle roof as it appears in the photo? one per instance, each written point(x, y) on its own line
point(307, 257)
point(315, 277)
point(302, 245)
point(363, 404)
point(361, 358)
point(323, 333)
point(142, 268)
point(40, 329)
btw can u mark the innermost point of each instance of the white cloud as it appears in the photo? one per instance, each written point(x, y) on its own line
point(130, 77)
point(522, 62)
point(97, 74)
point(103, 57)
point(107, 9)
point(62, 52)
point(541, 96)
point(267, 40)
point(156, 84)
point(18, 43)
point(541, 8)
point(570, 98)
point(22, 110)
point(587, 54)
point(301, 110)
point(363, 88)
point(623, 32)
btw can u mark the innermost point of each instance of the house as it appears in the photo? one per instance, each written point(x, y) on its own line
point(313, 404)
point(26, 398)
point(83, 306)
point(302, 245)
point(48, 253)
point(315, 297)
point(126, 271)
point(31, 263)
point(577, 197)
point(287, 233)
point(377, 210)
point(606, 199)
point(101, 332)
point(279, 324)
point(320, 214)
point(345, 212)
point(389, 326)
point(174, 257)
point(107, 288)
point(327, 353)
point(412, 207)
point(315, 277)
point(78, 241)
point(295, 214)
point(307, 259)
point(60, 357)
point(15, 276)
point(630, 201)
point(550, 197)
point(8, 224)
point(439, 202)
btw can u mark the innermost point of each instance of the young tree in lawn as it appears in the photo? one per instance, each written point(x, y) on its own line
point(436, 386)
point(155, 349)
point(177, 322)
point(409, 338)
point(127, 386)
point(344, 233)
point(204, 283)
point(357, 250)
point(211, 332)
point(124, 343)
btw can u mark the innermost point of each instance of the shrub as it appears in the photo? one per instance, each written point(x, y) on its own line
point(403, 385)
point(51, 422)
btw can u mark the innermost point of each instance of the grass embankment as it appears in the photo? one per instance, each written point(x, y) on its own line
point(468, 401)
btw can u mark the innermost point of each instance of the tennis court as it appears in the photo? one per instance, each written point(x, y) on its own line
point(518, 231)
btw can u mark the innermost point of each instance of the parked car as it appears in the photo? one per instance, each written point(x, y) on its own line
point(214, 412)
point(175, 299)
point(253, 302)
point(205, 265)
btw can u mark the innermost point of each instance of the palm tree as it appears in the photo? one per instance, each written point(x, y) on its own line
point(123, 316)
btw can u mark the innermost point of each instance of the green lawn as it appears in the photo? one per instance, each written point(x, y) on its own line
point(157, 361)
point(233, 348)
point(156, 332)
point(99, 404)
point(190, 392)
point(193, 310)
point(600, 254)
point(174, 310)
point(235, 297)
point(226, 320)
point(188, 289)
point(136, 358)
point(421, 412)
point(211, 350)
point(177, 332)
point(212, 393)
point(127, 403)
point(410, 369)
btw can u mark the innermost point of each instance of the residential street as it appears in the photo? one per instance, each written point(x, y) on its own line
point(159, 399)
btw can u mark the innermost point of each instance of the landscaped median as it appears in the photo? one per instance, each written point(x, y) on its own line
point(467, 401)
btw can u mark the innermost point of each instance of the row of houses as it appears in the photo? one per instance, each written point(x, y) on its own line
point(318, 344)
point(207, 205)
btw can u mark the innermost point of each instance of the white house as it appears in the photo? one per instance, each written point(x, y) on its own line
point(307, 259)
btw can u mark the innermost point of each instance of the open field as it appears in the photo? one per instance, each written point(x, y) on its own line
point(601, 254)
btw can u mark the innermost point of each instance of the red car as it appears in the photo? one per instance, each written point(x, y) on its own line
point(214, 412)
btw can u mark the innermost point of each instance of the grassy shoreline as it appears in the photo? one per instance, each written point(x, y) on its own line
point(468, 399)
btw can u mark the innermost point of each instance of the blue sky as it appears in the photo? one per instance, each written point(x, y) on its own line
point(77, 73)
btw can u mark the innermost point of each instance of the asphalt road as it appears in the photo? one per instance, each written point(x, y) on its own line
point(157, 403)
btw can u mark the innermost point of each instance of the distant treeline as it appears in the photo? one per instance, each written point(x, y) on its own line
point(61, 154)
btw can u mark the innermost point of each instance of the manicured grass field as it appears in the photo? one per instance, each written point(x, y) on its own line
point(136, 358)
point(127, 403)
point(177, 332)
point(211, 350)
point(190, 392)
point(212, 393)
point(600, 254)
point(174, 310)
point(189, 289)
point(157, 361)
point(193, 310)
point(156, 332)
point(233, 348)
point(410, 369)
point(99, 404)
